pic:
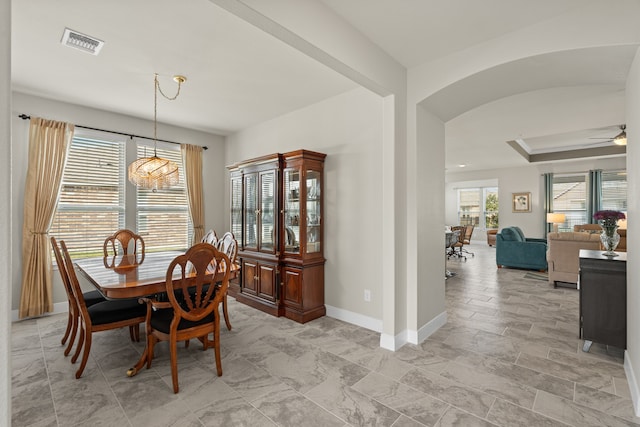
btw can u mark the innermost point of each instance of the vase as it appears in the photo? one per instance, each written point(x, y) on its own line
point(610, 239)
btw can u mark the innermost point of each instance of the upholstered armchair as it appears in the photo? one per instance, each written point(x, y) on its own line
point(563, 256)
point(515, 250)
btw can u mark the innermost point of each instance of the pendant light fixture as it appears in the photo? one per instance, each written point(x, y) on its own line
point(155, 173)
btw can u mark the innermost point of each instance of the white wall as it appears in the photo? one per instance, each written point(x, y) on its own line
point(632, 356)
point(518, 180)
point(214, 171)
point(348, 128)
point(5, 211)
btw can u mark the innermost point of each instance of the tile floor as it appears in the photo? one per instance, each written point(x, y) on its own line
point(508, 356)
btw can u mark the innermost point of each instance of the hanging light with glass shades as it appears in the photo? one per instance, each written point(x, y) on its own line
point(155, 173)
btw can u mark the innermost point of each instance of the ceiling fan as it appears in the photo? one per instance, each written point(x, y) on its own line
point(619, 139)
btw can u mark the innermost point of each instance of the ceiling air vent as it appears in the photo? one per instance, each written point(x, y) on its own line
point(81, 41)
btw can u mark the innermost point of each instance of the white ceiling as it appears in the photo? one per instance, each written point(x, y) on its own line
point(236, 75)
point(239, 76)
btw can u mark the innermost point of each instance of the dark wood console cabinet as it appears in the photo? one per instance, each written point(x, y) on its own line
point(277, 219)
point(603, 298)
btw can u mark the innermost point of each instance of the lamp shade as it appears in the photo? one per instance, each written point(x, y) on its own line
point(556, 218)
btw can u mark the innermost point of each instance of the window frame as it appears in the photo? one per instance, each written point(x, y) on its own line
point(128, 206)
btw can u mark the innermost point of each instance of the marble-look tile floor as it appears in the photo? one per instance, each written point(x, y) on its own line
point(509, 355)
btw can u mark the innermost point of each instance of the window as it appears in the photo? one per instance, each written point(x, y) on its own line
point(162, 217)
point(570, 198)
point(91, 205)
point(491, 207)
point(478, 206)
point(614, 191)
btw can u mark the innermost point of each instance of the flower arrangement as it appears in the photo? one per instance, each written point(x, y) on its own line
point(609, 222)
point(608, 219)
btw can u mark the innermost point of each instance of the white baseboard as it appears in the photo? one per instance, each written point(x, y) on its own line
point(393, 343)
point(633, 383)
point(416, 337)
point(354, 318)
point(389, 342)
point(58, 307)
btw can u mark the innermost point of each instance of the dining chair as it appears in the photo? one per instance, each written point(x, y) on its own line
point(229, 246)
point(125, 242)
point(211, 238)
point(189, 314)
point(103, 316)
point(90, 298)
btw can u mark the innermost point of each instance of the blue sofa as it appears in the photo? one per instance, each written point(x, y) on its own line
point(515, 250)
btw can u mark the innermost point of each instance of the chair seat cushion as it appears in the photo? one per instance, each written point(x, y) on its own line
point(93, 297)
point(161, 321)
point(110, 311)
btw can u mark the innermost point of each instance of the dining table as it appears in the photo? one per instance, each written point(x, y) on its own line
point(135, 276)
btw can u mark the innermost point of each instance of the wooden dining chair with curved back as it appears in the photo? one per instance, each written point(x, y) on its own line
point(90, 298)
point(189, 314)
point(229, 246)
point(103, 316)
point(211, 237)
point(125, 242)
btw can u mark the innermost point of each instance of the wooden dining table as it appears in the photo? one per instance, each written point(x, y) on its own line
point(135, 276)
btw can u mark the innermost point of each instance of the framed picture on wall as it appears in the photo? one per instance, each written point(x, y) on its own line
point(522, 202)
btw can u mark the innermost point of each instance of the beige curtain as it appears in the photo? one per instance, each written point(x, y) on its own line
point(49, 142)
point(192, 162)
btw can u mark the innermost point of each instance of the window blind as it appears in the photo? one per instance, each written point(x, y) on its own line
point(162, 217)
point(614, 191)
point(91, 204)
point(570, 198)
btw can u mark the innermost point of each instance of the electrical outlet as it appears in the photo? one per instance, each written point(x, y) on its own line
point(367, 295)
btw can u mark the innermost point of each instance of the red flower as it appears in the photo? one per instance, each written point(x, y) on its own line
point(609, 216)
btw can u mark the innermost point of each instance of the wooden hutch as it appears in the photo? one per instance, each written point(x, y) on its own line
point(277, 218)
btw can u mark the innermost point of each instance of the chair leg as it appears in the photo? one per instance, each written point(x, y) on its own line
point(226, 313)
point(81, 341)
point(216, 347)
point(74, 330)
point(68, 331)
point(173, 353)
point(85, 355)
point(151, 342)
point(134, 332)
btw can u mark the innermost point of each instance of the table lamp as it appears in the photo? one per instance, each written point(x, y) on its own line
point(555, 219)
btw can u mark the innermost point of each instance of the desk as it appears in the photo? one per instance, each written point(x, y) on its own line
point(123, 276)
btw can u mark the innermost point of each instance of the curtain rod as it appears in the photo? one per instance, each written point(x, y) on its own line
point(27, 117)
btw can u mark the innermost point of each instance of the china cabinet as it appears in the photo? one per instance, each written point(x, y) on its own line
point(277, 218)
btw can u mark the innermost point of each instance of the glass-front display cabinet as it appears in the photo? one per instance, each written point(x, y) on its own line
point(302, 213)
point(279, 215)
